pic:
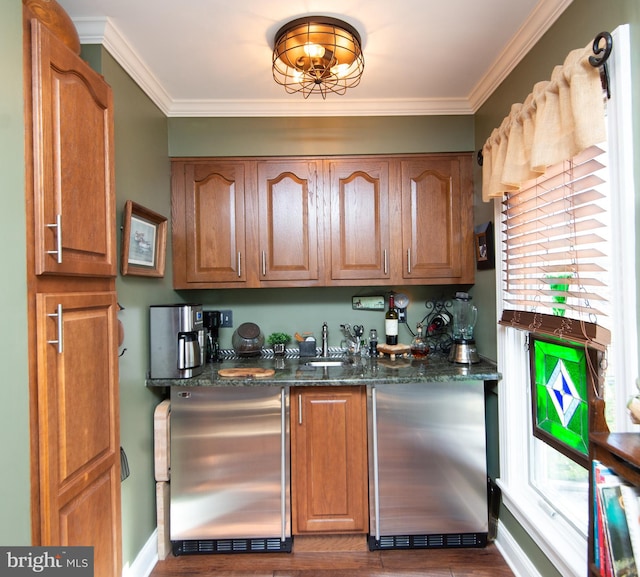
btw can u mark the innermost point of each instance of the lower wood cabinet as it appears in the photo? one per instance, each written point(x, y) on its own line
point(329, 460)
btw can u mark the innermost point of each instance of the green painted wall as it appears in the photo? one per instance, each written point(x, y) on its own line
point(15, 522)
point(321, 136)
point(575, 28)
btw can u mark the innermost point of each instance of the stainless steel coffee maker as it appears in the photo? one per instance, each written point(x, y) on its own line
point(177, 341)
point(464, 314)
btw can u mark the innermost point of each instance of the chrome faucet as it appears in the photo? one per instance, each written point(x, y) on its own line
point(325, 340)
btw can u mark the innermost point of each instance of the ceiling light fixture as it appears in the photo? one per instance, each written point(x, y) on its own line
point(317, 54)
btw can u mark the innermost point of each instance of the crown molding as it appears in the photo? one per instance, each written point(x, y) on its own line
point(540, 20)
point(103, 31)
point(343, 107)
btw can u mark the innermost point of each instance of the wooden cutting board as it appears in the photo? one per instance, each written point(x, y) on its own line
point(247, 373)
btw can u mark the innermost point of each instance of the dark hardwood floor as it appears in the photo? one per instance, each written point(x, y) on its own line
point(336, 558)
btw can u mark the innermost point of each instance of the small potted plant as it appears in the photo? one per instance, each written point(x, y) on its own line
point(278, 342)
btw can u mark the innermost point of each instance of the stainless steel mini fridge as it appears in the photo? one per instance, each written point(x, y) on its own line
point(427, 465)
point(230, 469)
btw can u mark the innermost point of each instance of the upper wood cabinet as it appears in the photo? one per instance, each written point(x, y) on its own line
point(288, 210)
point(359, 220)
point(209, 213)
point(285, 222)
point(74, 197)
point(437, 220)
point(246, 223)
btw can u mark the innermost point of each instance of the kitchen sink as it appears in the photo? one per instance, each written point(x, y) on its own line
point(328, 362)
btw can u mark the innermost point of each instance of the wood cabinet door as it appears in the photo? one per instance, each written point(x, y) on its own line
point(74, 198)
point(437, 219)
point(359, 219)
point(214, 247)
point(329, 460)
point(288, 208)
point(78, 424)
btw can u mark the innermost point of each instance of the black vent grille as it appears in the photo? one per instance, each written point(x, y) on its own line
point(433, 541)
point(210, 546)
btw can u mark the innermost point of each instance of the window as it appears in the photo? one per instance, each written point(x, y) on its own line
point(545, 490)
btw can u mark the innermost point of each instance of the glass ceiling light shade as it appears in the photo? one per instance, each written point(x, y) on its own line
point(317, 54)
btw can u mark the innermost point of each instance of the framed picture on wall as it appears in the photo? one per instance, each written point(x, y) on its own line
point(144, 238)
point(485, 253)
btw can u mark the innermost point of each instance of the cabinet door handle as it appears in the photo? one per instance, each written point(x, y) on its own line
point(409, 260)
point(386, 267)
point(58, 250)
point(58, 316)
point(376, 475)
point(239, 264)
point(299, 409)
point(264, 263)
point(283, 464)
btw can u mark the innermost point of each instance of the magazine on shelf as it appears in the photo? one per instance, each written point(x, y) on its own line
point(631, 499)
point(616, 510)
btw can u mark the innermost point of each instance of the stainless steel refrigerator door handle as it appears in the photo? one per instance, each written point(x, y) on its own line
point(264, 264)
point(409, 260)
point(376, 486)
point(386, 267)
point(58, 249)
point(283, 466)
point(58, 316)
point(299, 409)
point(239, 264)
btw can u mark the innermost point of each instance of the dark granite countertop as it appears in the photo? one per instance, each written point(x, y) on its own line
point(357, 371)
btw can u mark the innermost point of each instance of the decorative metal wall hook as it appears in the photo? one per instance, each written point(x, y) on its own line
point(602, 54)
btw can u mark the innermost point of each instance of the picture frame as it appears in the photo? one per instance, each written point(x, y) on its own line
point(144, 239)
point(484, 249)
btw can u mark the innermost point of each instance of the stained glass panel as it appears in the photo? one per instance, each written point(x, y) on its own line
point(560, 381)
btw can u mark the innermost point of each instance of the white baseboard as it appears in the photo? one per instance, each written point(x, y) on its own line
point(513, 554)
point(146, 559)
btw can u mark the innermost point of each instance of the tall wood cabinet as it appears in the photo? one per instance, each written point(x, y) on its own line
point(71, 264)
point(342, 221)
point(329, 460)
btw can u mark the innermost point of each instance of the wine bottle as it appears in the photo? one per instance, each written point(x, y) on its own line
point(391, 323)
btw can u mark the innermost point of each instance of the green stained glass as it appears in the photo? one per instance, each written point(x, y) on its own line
point(560, 393)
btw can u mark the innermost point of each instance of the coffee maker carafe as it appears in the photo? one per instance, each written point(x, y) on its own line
point(464, 314)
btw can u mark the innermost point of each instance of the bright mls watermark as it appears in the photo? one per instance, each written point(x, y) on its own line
point(46, 561)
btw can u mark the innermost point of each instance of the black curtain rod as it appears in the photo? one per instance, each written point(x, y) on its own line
point(601, 55)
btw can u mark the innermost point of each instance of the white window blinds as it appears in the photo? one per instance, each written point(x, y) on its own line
point(555, 230)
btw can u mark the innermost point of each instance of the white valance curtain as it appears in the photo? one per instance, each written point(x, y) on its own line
point(558, 120)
